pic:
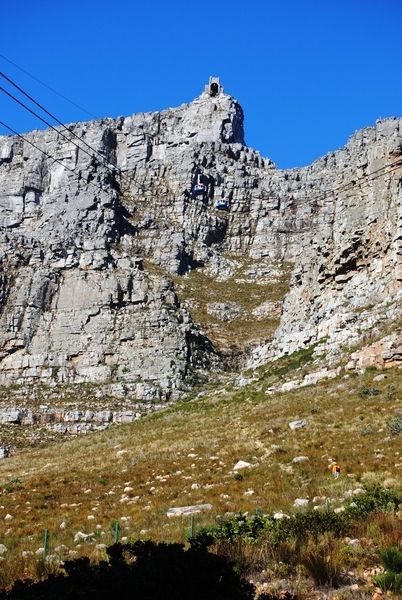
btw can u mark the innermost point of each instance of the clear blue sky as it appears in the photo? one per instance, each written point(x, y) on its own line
point(308, 73)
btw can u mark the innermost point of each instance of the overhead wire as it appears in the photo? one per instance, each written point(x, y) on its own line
point(127, 179)
point(366, 178)
point(92, 183)
point(104, 161)
point(47, 86)
point(362, 180)
point(113, 168)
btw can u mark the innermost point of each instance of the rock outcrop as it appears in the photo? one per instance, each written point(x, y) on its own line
point(95, 218)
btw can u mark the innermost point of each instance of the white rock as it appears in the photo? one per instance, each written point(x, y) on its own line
point(298, 424)
point(187, 510)
point(354, 542)
point(241, 464)
point(298, 459)
point(100, 546)
point(83, 537)
point(3, 548)
point(300, 502)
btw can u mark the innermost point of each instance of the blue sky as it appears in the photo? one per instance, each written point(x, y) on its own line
point(308, 73)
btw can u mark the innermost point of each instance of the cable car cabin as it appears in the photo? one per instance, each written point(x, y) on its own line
point(200, 188)
point(222, 205)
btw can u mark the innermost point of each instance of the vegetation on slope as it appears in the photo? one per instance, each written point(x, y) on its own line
point(187, 454)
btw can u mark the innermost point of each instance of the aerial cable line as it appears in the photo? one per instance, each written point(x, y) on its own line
point(365, 178)
point(48, 87)
point(50, 114)
point(52, 127)
point(98, 186)
point(392, 167)
point(332, 193)
point(83, 109)
point(105, 163)
point(113, 168)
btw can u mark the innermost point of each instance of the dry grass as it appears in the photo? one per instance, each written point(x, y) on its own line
point(198, 289)
point(185, 456)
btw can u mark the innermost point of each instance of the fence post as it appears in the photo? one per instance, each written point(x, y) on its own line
point(116, 532)
point(191, 526)
point(327, 505)
point(45, 543)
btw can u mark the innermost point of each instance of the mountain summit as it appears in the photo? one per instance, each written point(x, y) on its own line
point(102, 221)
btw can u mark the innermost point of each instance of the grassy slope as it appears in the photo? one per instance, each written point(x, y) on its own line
point(185, 455)
point(198, 290)
point(198, 442)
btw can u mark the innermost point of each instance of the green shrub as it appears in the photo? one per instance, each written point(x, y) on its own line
point(389, 582)
point(366, 430)
point(375, 499)
point(391, 559)
point(394, 425)
point(368, 392)
point(249, 529)
point(390, 392)
point(312, 524)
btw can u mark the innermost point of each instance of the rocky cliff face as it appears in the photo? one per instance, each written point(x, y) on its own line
point(84, 208)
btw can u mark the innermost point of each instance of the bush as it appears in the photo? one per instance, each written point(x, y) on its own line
point(375, 499)
point(368, 392)
point(391, 558)
point(312, 524)
point(144, 571)
point(324, 568)
point(389, 582)
point(394, 425)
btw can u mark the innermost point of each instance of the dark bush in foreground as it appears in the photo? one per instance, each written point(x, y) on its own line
point(142, 571)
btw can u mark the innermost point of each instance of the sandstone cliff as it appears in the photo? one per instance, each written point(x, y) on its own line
point(97, 218)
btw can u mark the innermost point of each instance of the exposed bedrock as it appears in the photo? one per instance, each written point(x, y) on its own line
point(91, 215)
